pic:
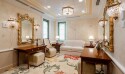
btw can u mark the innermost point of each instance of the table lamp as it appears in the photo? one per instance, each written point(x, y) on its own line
point(91, 39)
point(57, 39)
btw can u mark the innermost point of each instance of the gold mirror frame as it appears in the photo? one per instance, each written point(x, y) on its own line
point(111, 34)
point(110, 44)
point(20, 19)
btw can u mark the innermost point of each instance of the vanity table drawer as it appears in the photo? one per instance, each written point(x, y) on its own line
point(32, 50)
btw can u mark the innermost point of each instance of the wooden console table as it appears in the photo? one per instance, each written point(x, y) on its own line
point(89, 46)
point(28, 50)
point(91, 55)
point(57, 46)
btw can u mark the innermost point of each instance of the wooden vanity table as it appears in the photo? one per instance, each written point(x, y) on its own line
point(28, 50)
point(90, 55)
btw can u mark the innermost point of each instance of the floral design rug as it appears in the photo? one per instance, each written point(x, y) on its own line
point(60, 64)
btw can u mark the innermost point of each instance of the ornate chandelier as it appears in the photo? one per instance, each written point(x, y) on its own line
point(113, 8)
point(67, 10)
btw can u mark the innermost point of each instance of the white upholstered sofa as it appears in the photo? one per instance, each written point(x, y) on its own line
point(72, 47)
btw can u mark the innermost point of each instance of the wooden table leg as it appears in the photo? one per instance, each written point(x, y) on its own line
point(81, 66)
point(108, 69)
point(27, 60)
point(18, 57)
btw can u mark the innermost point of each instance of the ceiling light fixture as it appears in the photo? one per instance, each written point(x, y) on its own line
point(80, 0)
point(67, 10)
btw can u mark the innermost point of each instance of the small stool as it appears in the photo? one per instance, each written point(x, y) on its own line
point(37, 59)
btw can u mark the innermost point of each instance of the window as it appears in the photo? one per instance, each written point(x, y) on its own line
point(62, 30)
point(45, 28)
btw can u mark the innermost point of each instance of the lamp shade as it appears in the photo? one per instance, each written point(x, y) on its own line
point(57, 37)
point(91, 38)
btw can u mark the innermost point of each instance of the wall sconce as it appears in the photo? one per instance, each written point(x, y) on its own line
point(103, 22)
point(36, 26)
point(113, 8)
point(10, 23)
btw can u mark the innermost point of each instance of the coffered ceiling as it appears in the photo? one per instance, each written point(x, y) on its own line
point(54, 7)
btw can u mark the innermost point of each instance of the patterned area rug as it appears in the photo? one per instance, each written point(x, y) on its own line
point(60, 64)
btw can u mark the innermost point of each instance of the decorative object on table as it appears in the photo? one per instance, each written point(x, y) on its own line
point(57, 39)
point(37, 41)
point(106, 44)
point(91, 39)
point(98, 47)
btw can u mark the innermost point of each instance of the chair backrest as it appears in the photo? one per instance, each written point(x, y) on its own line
point(47, 42)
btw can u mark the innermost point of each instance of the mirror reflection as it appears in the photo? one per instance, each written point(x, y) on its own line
point(107, 31)
point(26, 31)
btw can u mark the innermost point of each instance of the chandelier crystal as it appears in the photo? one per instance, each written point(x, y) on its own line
point(67, 10)
point(113, 9)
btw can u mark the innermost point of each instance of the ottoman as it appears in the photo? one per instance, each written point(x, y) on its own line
point(37, 59)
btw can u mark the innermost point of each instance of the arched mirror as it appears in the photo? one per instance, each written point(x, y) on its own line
point(26, 29)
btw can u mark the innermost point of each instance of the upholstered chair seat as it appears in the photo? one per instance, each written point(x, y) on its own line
point(50, 51)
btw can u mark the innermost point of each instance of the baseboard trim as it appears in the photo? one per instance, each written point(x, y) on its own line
point(5, 50)
point(119, 65)
point(3, 69)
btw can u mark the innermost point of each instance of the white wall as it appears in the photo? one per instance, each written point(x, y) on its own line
point(8, 37)
point(81, 28)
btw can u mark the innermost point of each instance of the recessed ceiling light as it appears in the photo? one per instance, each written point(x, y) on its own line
point(83, 11)
point(80, 0)
point(48, 6)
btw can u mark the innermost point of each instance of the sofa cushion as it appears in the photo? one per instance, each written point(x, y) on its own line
point(71, 48)
point(77, 43)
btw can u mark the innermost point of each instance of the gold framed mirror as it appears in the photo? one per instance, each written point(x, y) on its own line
point(109, 34)
point(25, 29)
